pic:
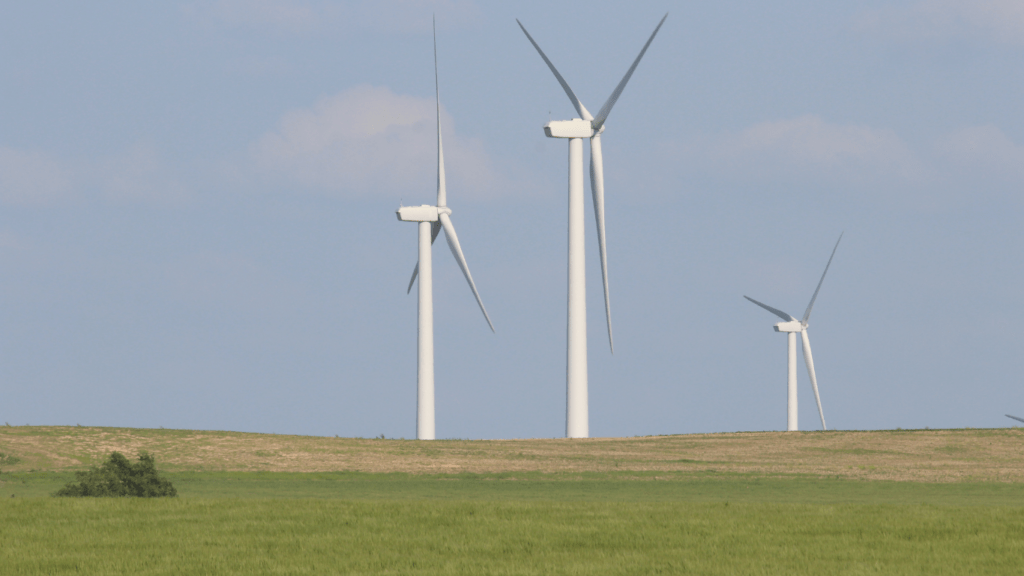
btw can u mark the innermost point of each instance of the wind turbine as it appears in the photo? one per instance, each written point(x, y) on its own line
point(791, 326)
point(431, 219)
point(577, 423)
point(1015, 418)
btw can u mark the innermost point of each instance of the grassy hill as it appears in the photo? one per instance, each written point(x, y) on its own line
point(839, 502)
point(963, 455)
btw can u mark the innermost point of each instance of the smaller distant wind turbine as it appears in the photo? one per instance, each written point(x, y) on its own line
point(1015, 418)
point(792, 326)
point(431, 219)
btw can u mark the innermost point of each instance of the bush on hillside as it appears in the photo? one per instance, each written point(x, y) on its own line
point(8, 459)
point(120, 477)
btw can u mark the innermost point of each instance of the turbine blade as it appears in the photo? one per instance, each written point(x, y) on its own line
point(1015, 418)
point(453, 243)
point(810, 372)
point(442, 194)
point(580, 109)
point(597, 189)
point(434, 229)
point(775, 311)
point(602, 114)
point(415, 273)
point(807, 314)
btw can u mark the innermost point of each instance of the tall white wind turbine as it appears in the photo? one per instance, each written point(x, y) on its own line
point(577, 424)
point(431, 219)
point(791, 326)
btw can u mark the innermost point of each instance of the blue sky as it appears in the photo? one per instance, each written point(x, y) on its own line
point(197, 221)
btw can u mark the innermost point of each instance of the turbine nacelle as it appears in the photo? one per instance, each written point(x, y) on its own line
point(575, 128)
point(422, 213)
point(791, 326)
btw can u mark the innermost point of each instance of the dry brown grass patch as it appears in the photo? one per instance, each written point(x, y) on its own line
point(903, 455)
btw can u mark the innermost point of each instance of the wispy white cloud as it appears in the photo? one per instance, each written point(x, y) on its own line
point(305, 16)
point(1001, 20)
point(284, 15)
point(810, 146)
point(29, 178)
point(138, 174)
point(875, 163)
point(369, 140)
point(983, 151)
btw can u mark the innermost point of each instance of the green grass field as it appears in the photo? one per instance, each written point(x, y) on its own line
point(337, 536)
point(557, 487)
point(560, 521)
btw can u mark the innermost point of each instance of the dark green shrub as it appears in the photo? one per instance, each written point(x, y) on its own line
point(8, 460)
point(119, 477)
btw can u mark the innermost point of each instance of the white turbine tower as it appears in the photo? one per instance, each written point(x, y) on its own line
point(431, 219)
point(577, 423)
point(792, 326)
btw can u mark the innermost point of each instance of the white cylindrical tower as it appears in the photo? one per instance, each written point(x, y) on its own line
point(576, 419)
point(791, 413)
point(425, 341)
